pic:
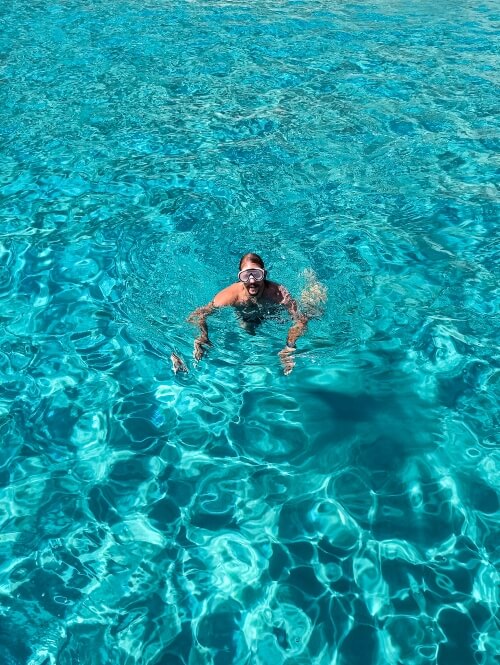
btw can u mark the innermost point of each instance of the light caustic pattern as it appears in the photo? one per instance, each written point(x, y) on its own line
point(344, 514)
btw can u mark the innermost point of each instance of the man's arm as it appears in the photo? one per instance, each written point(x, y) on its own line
point(297, 329)
point(199, 318)
point(299, 324)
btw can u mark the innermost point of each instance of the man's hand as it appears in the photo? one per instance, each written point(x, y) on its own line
point(199, 347)
point(287, 359)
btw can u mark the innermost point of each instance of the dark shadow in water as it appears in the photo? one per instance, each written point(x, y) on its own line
point(376, 434)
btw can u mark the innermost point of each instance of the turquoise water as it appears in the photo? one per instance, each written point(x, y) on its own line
point(346, 514)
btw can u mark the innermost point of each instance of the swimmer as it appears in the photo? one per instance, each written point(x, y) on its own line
point(254, 296)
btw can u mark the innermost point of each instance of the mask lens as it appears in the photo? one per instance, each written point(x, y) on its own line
point(256, 273)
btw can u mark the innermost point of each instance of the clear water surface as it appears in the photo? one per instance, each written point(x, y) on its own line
point(346, 514)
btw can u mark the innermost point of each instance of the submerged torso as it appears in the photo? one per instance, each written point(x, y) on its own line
point(257, 312)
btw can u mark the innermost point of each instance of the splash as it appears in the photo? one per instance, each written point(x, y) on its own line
point(314, 295)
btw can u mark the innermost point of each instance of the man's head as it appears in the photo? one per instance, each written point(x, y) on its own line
point(253, 274)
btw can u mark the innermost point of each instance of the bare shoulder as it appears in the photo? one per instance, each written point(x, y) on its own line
point(228, 296)
point(278, 293)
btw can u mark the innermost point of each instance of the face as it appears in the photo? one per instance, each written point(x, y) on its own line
point(253, 287)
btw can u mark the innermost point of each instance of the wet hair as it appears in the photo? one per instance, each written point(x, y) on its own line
point(255, 258)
